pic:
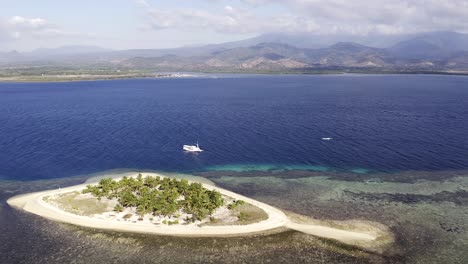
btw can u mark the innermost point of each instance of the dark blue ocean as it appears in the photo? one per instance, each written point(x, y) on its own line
point(377, 122)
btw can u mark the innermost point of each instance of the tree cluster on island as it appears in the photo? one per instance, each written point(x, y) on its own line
point(159, 196)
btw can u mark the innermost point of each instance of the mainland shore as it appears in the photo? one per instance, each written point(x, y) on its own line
point(366, 235)
point(76, 77)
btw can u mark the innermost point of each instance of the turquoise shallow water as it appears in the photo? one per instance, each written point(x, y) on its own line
point(264, 167)
point(360, 170)
point(427, 217)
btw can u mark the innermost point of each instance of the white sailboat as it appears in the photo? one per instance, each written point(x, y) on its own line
point(192, 148)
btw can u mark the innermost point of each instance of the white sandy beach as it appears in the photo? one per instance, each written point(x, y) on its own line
point(34, 203)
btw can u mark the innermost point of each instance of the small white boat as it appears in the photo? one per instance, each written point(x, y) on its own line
point(327, 138)
point(192, 148)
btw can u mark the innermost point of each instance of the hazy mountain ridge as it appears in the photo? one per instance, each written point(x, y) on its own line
point(428, 51)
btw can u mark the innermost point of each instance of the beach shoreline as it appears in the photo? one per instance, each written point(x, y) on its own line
point(277, 220)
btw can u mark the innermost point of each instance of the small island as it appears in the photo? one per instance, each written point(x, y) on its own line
point(156, 200)
point(156, 204)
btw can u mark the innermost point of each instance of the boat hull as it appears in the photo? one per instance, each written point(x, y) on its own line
point(191, 148)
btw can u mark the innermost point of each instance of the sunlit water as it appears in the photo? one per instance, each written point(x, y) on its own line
point(379, 123)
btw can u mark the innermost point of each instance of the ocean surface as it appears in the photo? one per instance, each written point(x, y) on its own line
point(377, 123)
point(398, 156)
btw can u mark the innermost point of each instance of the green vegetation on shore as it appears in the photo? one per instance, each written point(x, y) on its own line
point(159, 196)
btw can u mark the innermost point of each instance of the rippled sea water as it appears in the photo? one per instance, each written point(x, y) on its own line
point(398, 156)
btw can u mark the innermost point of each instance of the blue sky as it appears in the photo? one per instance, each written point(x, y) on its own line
point(124, 24)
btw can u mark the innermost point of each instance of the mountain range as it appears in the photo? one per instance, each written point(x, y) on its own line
point(433, 51)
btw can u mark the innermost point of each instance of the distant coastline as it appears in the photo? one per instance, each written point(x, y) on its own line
point(102, 77)
point(86, 77)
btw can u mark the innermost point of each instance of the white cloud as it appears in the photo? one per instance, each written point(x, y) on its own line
point(27, 23)
point(227, 20)
point(357, 17)
point(143, 3)
point(378, 16)
point(18, 27)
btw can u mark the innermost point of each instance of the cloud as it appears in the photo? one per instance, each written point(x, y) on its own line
point(359, 17)
point(378, 16)
point(143, 3)
point(227, 20)
point(29, 23)
point(18, 27)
